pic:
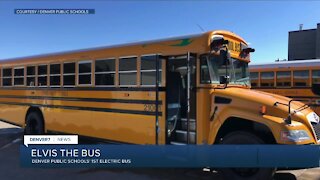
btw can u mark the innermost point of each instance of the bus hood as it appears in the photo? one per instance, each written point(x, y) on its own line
point(259, 97)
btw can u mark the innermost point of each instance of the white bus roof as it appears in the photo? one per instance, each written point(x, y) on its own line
point(284, 64)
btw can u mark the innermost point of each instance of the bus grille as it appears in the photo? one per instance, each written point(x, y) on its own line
point(316, 128)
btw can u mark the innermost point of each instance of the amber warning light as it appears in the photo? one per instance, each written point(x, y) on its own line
point(263, 110)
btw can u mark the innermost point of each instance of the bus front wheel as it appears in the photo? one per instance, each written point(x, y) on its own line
point(241, 137)
point(34, 124)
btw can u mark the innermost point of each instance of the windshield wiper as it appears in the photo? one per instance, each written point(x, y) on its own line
point(276, 103)
point(242, 80)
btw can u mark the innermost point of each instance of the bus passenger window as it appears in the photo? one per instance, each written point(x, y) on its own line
point(254, 77)
point(283, 79)
point(148, 70)
point(42, 75)
point(128, 71)
point(18, 79)
point(105, 72)
point(301, 78)
point(84, 75)
point(31, 76)
point(267, 79)
point(7, 77)
point(315, 76)
point(55, 72)
point(204, 74)
point(69, 74)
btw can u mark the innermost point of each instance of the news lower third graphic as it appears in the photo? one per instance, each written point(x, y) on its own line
point(56, 151)
point(54, 11)
point(50, 139)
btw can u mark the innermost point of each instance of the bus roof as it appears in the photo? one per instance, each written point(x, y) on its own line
point(283, 64)
point(228, 33)
point(103, 47)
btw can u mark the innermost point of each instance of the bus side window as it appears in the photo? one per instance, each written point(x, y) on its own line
point(31, 76)
point(148, 70)
point(301, 78)
point(84, 75)
point(283, 79)
point(7, 77)
point(267, 79)
point(128, 71)
point(18, 79)
point(105, 72)
point(254, 76)
point(55, 73)
point(204, 72)
point(69, 74)
point(316, 76)
point(42, 75)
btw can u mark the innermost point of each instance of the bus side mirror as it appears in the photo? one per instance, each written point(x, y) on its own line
point(316, 89)
point(217, 41)
point(224, 79)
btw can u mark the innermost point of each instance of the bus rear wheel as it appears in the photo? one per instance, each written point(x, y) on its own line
point(34, 124)
point(241, 137)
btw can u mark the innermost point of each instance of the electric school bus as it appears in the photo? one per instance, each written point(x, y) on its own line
point(178, 91)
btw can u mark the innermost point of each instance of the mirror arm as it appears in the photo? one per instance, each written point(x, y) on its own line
point(289, 119)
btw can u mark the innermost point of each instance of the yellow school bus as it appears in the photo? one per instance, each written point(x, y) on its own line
point(293, 79)
point(183, 90)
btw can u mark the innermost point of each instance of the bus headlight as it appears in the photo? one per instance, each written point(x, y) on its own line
point(295, 135)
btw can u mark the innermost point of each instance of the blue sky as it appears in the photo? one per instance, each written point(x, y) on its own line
point(264, 24)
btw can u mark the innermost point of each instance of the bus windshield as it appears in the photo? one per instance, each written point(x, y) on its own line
point(237, 70)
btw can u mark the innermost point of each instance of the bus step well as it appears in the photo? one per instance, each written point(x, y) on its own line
point(177, 143)
point(183, 125)
point(181, 136)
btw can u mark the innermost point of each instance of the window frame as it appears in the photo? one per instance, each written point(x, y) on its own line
point(14, 76)
point(86, 73)
point(55, 75)
point(128, 72)
point(307, 79)
point(312, 75)
point(32, 76)
point(42, 75)
point(69, 74)
point(261, 79)
point(202, 60)
point(7, 77)
point(106, 72)
point(290, 77)
point(257, 79)
point(151, 70)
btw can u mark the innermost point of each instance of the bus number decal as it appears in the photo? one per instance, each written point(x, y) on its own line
point(151, 108)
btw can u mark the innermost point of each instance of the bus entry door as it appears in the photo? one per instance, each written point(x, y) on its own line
point(181, 99)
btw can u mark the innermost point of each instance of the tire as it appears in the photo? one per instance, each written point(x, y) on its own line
point(240, 137)
point(34, 124)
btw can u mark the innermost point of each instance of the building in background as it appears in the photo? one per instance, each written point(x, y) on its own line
point(304, 44)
